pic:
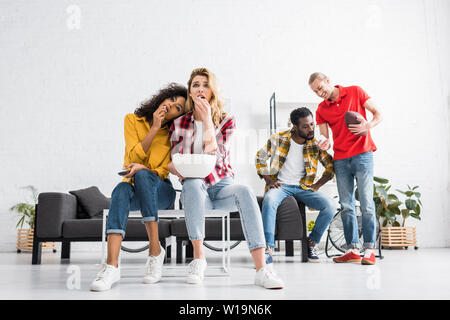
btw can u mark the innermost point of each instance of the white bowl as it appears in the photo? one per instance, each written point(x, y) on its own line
point(194, 165)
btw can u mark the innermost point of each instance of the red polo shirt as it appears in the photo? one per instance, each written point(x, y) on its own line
point(346, 144)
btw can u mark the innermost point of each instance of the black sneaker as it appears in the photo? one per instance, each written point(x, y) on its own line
point(313, 254)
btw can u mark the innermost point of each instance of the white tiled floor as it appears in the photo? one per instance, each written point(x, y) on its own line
point(402, 274)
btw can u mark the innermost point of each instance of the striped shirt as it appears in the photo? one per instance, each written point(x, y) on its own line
point(182, 136)
point(277, 149)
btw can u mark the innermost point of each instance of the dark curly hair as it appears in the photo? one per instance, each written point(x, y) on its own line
point(148, 107)
point(299, 113)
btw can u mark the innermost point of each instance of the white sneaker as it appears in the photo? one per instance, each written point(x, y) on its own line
point(268, 279)
point(196, 271)
point(107, 276)
point(153, 267)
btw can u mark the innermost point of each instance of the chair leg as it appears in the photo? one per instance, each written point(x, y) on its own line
point(179, 250)
point(169, 251)
point(277, 246)
point(304, 250)
point(37, 250)
point(65, 250)
point(289, 248)
point(163, 244)
point(37, 245)
point(189, 250)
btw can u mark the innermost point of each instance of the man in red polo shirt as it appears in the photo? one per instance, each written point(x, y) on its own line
point(353, 159)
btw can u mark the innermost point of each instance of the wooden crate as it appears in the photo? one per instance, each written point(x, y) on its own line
point(398, 237)
point(25, 241)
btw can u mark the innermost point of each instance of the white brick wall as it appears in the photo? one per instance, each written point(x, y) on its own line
point(64, 91)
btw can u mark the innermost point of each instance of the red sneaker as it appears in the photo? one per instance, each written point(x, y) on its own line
point(369, 258)
point(349, 256)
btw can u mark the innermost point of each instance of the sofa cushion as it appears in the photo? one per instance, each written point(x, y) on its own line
point(90, 201)
point(92, 228)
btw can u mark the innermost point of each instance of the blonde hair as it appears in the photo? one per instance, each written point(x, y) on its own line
point(217, 112)
point(316, 75)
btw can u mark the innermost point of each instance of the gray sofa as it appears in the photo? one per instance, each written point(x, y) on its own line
point(58, 220)
point(61, 218)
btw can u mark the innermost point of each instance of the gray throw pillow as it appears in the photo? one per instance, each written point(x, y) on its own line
point(91, 200)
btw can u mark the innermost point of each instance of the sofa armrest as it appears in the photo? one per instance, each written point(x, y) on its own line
point(301, 207)
point(290, 219)
point(51, 211)
point(300, 204)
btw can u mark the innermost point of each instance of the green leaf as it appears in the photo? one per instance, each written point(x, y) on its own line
point(416, 216)
point(20, 222)
point(417, 194)
point(409, 193)
point(385, 222)
point(381, 180)
point(403, 192)
point(410, 204)
point(22, 207)
point(396, 224)
point(394, 210)
point(417, 209)
point(415, 187)
point(381, 192)
point(395, 204)
point(390, 216)
point(392, 196)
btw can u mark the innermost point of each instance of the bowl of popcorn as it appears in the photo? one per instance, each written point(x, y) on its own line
point(192, 165)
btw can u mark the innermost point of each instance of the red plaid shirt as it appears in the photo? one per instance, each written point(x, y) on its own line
point(182, 137)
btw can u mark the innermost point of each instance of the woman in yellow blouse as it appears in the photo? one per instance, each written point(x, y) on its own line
point(145, 187)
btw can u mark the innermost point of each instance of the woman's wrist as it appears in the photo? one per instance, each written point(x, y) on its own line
point(154, 128)
point(208, 123)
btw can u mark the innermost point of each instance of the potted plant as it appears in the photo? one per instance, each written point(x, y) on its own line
point(27, 212)
point(405, 236)
point(388, 207)
point(412, 206)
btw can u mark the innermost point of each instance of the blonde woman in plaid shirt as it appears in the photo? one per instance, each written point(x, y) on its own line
point(294, 156)
point(208, 129)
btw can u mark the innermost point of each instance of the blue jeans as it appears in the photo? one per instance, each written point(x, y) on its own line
point(312, 199)
point(148, 195)
point(224, 195)
point(359, 167)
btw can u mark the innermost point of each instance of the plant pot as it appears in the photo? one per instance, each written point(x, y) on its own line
point(25, 241)
point(398, 237)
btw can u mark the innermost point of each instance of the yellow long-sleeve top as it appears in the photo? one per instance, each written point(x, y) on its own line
point(157, 158)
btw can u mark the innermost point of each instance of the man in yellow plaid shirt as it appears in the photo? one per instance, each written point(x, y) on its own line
point(294, 156)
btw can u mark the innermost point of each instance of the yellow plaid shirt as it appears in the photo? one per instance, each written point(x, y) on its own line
point(277, 148)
